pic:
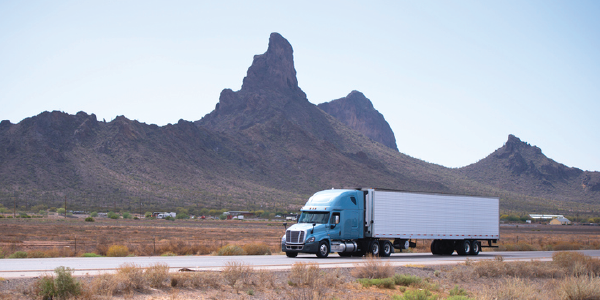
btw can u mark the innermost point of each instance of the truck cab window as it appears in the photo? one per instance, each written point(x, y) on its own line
point(353, 200)
point(314, 217)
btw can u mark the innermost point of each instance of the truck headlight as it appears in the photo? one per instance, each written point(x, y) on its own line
point(310, 239)
point(283, 239)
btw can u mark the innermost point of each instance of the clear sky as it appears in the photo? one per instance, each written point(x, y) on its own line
point(453, 78)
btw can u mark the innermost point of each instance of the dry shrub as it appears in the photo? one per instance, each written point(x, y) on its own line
point(230, 249)
point(576, 263)
point(130, 276)
point(36, 254)
point(156, 274)
point(372, 267)
point(265, 280)
point(510, 289)
point(580, 288)
point(117, 251)
point(102, 245)
point(564, 246)
point(257, 249)
point(182, 247)
point(304, 274)
point(235, 272)
point(196, 279)
point(532, 269)
point(104, 285)
point(521, 246)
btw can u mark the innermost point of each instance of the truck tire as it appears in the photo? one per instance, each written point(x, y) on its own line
point(323, 250)
point(436, 247)
point(463, 247)
point(373, 248)
point(386, 249)
point(291, 254)
point(475, 248)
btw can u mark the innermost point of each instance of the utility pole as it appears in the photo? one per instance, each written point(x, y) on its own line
point(65, 206)
point(15, 207)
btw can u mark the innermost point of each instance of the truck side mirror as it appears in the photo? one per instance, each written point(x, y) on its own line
point(337, 219)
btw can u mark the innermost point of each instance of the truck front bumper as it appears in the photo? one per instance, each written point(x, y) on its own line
point(300, 248)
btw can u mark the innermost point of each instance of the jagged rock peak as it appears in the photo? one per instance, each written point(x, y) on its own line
point(358, 113)
point(274, 69)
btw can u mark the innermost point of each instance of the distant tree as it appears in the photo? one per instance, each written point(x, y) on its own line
point(147, 214)
point(222, 217)
point(126, 215)
point(182, 216)
point(113, 215)
point(60, 211)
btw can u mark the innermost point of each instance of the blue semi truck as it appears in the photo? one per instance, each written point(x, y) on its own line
point(356, 222)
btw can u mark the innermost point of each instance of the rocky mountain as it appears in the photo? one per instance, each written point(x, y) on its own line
point(520, 167)
point(264, 146)
point(358, 113)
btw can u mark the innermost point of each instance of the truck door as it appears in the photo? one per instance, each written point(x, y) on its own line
point(335, 228)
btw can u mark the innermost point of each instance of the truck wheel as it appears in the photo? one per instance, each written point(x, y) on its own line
point(436, 247)
point(374, 248)
point(463, 247)
point(291, 254)
point(475, 248)
point(323, 249)
point(386, 249)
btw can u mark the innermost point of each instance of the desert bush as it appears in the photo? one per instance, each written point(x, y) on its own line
point(156, 274)
point(457, 291)
point(304, 274)
point(126, 215)
point(234, 272)
point(580, 288)
point(103, 285)
point(576, 263)
point(89, 219)
point(18, 254)
point(406, 280)
point(564, 246)
point(36, 254)
point(196, 279)
point(117, 251)
point(63, 286)
point(130, 276)
point(416, 295)
point(113, 215)
point(257, 249)
point(230, 249)
point(532, 269)
point(94, 214)
point(383, 283)
point(372, 267)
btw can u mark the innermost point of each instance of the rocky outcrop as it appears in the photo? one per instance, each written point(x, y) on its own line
point(358, 113)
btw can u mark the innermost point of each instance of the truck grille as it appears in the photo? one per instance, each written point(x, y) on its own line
point(294, 237)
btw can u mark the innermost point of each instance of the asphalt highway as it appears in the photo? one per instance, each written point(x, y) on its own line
point(34, 267)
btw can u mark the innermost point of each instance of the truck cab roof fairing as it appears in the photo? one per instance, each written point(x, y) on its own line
point(326, 200)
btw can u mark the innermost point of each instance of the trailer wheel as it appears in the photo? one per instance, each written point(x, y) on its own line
point(323, 249)
point(291, 254)
point(374, 248)
point(463, 247)
point(475, 248)
point(386, 249)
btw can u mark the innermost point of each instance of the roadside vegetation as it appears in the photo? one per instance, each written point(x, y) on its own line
point(569, 276)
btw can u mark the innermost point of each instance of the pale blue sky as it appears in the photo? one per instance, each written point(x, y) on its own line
point(453, 78)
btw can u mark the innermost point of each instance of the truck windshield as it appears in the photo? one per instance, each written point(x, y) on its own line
point(314, 217)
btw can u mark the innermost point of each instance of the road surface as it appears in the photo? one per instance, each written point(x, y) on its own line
point(33, 267)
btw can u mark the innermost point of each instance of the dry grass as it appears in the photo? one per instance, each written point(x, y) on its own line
point(577, 264)
point(304, 274)
point(580, 288)
point(117, 251)
point(373, 267)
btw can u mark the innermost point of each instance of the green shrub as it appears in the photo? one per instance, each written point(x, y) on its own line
point(90, 255)
point(117, 251)
point(89, 219)
point(169, 218)
point(147, 214)
point(406, 280)
point(457, 291)
point(18, 254)
point(63, 286)
point(113, 215)
point(230, 249)
point(36, 254)
point(416, 295)
point(94, 214)
point(126, 215)
point(182, 216)
point(382, 283)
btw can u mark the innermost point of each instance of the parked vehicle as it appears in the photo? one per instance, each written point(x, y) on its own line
point(368, 221)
